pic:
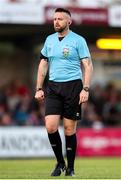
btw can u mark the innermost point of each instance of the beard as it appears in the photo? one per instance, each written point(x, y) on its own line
point(59, 29)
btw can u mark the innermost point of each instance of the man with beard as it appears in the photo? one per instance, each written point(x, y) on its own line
point(64, 55)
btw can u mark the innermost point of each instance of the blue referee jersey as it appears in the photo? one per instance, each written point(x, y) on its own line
point(64, 56)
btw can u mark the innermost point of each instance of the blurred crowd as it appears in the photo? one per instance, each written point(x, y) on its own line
point(103, 108)
point(18, 107)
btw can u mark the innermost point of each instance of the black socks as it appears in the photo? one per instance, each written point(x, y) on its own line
point(71, 144)
point(56, 144)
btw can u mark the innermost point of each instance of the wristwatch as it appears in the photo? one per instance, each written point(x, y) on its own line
point(39, 89)
point(86, 89)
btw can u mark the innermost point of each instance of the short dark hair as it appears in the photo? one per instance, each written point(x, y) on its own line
point(63, 10)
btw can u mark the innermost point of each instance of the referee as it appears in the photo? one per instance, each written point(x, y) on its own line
point(64, 55)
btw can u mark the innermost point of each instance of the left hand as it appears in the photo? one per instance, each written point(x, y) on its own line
point(83, 96)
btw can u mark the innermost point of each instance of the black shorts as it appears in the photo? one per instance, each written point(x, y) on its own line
point(62, 98)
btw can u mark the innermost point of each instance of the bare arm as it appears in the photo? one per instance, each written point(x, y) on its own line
point(42, 71)
point(87, 69)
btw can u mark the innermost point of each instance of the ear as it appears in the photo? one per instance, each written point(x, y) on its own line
point(70, 22)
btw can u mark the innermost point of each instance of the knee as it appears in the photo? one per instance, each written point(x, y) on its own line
point(51, 128)
point(51, 123)
point(69, 130)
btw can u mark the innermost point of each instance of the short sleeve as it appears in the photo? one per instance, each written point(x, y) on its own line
point(44, 49)
point(83, 49)
point(43, 57)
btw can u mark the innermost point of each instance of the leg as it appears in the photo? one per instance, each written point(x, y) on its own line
point(72, 113)
point(52, 123)
point(71, 143)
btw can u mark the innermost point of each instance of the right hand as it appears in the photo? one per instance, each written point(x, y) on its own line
point(39, 95)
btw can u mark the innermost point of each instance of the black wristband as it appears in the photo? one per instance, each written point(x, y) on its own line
point(86, 89)
point(39, 89)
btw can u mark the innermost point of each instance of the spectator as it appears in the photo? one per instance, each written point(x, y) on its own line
point(6, 120)
point(17, 107)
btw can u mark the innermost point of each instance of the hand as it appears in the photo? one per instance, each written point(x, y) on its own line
point(83, 96)
point(39, 95)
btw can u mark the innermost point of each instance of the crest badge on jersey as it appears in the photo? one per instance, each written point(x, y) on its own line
point(66, 52)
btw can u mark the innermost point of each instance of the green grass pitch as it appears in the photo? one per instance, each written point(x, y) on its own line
point(85, 168)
